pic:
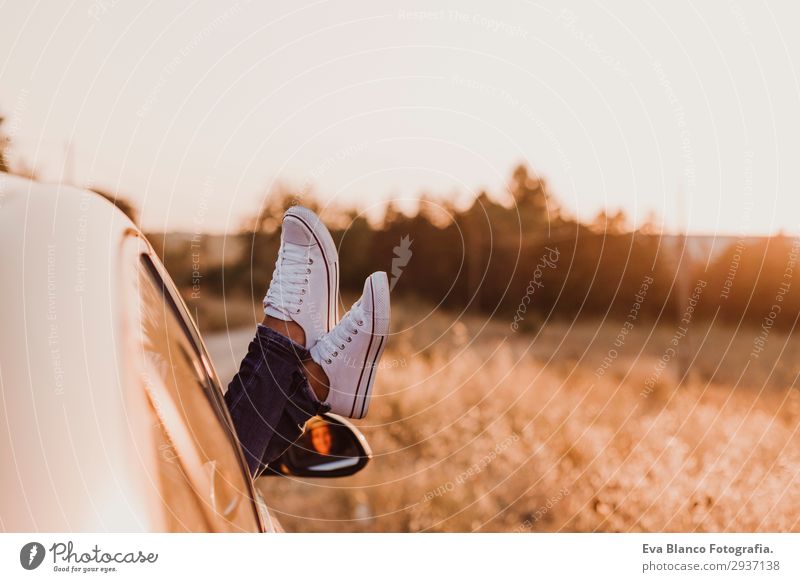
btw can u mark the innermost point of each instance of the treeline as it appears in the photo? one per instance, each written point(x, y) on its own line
point(526, 261)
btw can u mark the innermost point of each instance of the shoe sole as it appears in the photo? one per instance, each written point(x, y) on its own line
point(330, 255)
point(381, 315)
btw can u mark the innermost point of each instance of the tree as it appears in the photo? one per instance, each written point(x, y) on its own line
point(270, 214)
point(535, 205)
point(21, 168)
point(605, 223)
point(4, 143)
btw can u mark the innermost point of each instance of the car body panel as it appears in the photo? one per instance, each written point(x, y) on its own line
point(75, 446)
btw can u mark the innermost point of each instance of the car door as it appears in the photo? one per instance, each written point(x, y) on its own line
point(201, 477)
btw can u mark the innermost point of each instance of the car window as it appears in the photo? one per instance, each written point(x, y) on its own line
point(202, 480)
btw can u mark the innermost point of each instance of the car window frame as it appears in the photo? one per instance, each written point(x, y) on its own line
point(136, 249)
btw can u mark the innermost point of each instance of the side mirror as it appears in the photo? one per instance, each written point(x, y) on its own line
point(330, 446)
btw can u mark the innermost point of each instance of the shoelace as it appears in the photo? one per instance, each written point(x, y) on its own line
point(332, 344)
point(289, 280)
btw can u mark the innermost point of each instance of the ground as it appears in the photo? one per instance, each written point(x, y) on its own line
point(477, 427)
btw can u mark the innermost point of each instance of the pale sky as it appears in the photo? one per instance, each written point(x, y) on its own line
point(194, 109)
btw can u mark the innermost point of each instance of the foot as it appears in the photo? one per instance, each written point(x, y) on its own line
point(350, 353)
point(305, 283)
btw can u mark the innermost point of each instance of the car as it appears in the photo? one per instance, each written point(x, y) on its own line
point(113, 417)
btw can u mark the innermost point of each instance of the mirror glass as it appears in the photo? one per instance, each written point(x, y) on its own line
point(325, 446)
point(330, 446)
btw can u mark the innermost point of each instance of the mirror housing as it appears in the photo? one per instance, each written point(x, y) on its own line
point(330, 446)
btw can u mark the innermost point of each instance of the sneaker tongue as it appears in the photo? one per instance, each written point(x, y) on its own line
point(295, 233)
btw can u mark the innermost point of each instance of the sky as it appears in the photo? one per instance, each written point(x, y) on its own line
point(195, 110)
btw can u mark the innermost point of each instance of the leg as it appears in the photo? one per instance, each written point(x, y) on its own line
point(270, 398)
point(316, 376)
point(302, 304)
point(302, 362)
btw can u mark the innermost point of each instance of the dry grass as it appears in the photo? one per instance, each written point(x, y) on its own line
point(475, 427)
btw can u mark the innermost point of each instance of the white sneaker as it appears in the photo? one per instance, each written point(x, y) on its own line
point(305, 283)
point(350, 353)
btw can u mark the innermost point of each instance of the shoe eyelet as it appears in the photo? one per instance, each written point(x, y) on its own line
point(355, 332)
point(298, 311)
point(300, 302)
point(349, 339)
point(335, 354)
point(360, 323)
point(306, 282)
point(308, 271)
point(310, 261)
point(342, 347)
point(328, 361)
point(303, 292)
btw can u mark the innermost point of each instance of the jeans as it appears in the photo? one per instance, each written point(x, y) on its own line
point(270, 398)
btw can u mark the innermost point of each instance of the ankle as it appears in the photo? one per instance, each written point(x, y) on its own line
point(288, 329)
point(317, 379)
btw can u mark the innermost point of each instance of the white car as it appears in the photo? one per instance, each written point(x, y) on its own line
point(112, 417)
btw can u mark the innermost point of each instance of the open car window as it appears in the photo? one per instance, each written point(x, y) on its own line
point(202, 478)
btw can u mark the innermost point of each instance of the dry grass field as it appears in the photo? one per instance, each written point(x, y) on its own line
point(477, 428)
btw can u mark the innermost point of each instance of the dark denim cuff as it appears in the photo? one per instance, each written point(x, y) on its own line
point(270, 398)
point(280, 345)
